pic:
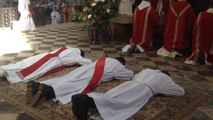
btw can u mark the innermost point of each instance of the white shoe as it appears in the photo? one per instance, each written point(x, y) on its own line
point(191, 62)
point(2, 73)
point(140, 48)
point(124, 49)
point(208, 63)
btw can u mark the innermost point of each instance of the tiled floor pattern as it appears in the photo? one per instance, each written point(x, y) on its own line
point(45, 39)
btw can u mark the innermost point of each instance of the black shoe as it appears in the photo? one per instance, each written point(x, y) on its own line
point(81, 104)
point(75, 105)
point(131, 49)
point(32, 88)
point(41, 93)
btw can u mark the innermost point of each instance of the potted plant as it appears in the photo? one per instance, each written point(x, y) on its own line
point(96, 15)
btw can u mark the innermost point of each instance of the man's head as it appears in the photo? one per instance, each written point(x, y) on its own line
point(165, 72)
point(54, 8)
point(211, 4)
point(82, 53)
point(121, 60)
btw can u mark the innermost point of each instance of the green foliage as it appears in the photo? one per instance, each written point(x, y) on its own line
point(97, 13)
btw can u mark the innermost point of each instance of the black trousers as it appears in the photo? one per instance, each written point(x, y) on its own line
point(81, 104)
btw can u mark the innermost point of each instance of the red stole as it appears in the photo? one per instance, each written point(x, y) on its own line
point(30, 69)
point(99, 70)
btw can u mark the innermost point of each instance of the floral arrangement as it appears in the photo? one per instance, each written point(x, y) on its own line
point(97, 13)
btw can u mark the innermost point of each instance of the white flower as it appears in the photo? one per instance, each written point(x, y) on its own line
point(85, 9)
point(108, 10)
point(93, 4)
point(89, 16)
point(102, 0)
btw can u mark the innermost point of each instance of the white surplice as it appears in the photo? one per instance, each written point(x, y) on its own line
point(68, 57)
point(76, 81)
point(56, 17)
point(25, 22)
point(125, 100)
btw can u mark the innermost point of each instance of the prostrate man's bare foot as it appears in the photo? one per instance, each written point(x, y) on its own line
point(32, 89)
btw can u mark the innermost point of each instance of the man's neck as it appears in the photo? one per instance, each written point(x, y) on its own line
point(210, 10)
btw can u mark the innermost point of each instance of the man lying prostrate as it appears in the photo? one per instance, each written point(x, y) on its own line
point(46, 63)
point(80, 80)
point(123, 101)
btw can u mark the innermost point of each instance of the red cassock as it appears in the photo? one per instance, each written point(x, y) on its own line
point(203, 37)
point(144, 22)
point(179, 25)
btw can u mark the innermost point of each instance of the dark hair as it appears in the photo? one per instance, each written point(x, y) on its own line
point(211, 4)
point(165, 72)
point(121, 60)
point(82, 53)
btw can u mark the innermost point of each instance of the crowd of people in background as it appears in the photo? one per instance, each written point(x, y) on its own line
point(51, 12)
point(46, 11)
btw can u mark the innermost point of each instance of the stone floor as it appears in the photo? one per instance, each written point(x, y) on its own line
point(17, 46)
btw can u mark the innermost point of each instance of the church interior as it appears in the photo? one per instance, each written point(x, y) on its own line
point(196, 79)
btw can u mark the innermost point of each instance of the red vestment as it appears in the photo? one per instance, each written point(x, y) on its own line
point(179, 25)
point(203, 37)
point(144, 22)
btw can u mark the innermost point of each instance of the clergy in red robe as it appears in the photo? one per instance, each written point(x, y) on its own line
point(202, 38)
point(67, 10)
point(178, 29)
point(145, 18)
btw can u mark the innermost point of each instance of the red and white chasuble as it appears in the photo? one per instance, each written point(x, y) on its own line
point(144, 21)
point(202, 37)
point(43, 64)
point(99, 70)
point(178, 29)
